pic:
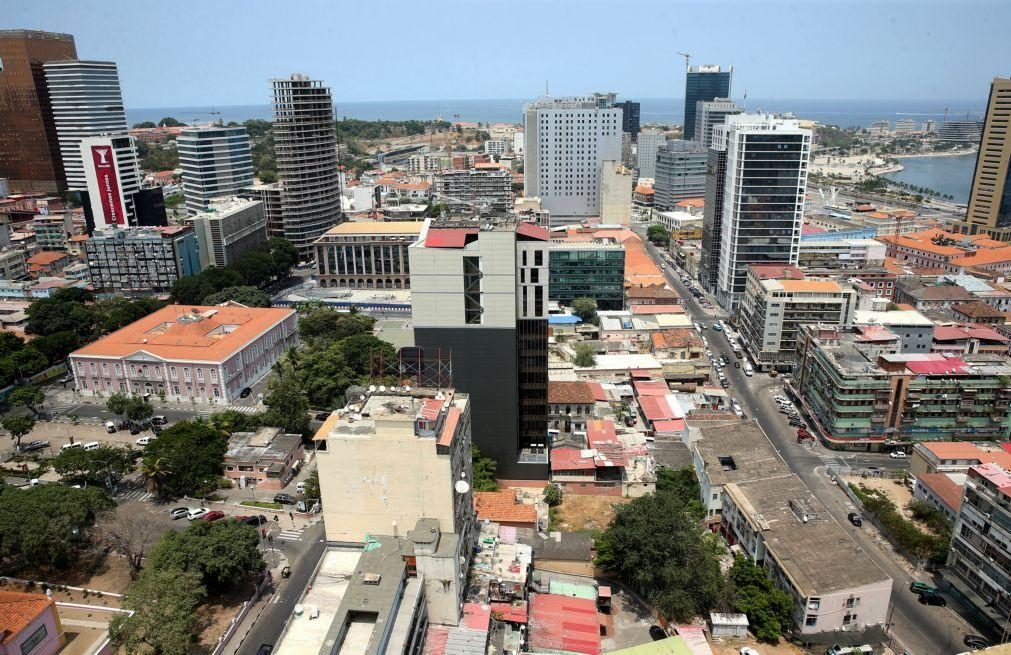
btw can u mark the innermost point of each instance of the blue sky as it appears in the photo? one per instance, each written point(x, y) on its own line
point(218, 52)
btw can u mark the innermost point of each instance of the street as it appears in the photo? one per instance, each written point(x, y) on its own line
point(921, 629)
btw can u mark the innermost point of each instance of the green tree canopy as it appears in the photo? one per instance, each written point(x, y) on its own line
point(312, 485)
point(658, 234)
point(93, 466)
point(144, 125)
point(684, 485)
point(323, 375)
point(190, 454)
point(30, 397)
point(320, 323)
point(769, 609)
point(585, 355)
point(585, 308)
point(117, 403)
point(219, 552)
point(18, 427)
point(245, 295)
point(483, 470)
point(165, 617)
point(168, 121)
point(287, 407)
point(49, 524)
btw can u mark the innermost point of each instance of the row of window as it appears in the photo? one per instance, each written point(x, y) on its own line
point(146, 371)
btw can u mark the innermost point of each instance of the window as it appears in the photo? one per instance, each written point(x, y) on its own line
point(852, 601)
point(186, 374)
point(172, 371)
point(538, 258)
point(105, 368)
point(91, 367)
point(200, 375)
point(119, 370)
point(175, 389)
point(811, 620)
point(214, 375)
point(36, 638)
point(849, 619)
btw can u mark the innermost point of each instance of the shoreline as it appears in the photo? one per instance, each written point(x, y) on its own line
point(960, 153)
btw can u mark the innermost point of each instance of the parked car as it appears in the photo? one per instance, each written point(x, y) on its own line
point(214, 516)
point(110, 427)
point(897, 454)
point(158, 420)
point(975, 641)
point(933, 599)
point(855, 519)
point(195, 512)
point(245, 392)
point(259, 519)
point(747, 650)
point(70, 446)
point(143, 441)
point(37, 444)
point(179, 512)
point(265, 649)
point(284, 499)
point(134, 429)
point(921, 588)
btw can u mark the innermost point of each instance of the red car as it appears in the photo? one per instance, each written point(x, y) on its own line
point(214, 516)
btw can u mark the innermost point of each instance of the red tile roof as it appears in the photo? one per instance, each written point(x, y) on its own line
point(18, 610)
point(47, 257)
point(599, 394)
point(571, 459)
point(561, 623)
point(501, 507)
point(448, 238)
point(512, 613)
point(942, 486)
point(650, 388)
point(577, 393)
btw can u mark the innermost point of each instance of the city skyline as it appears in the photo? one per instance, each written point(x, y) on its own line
point(835, 66)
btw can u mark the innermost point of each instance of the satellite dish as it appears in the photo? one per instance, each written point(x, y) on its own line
point(372, 388)
point(407, 387)
point(462, 486)
point(382, 387)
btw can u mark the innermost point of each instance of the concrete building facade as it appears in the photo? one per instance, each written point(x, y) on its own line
point(645, 151)
point(228, 228)
point(141, 261)
point(463, 191)
point(709, 113)
point(364, 255)
point(680, 173)
point(112, 177)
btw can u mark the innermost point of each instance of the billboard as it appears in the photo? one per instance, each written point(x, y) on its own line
point(107, 176)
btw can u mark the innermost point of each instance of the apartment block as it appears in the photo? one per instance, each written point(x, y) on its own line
point(366, 255)
point(646, 146)
point(227, 228)
point(141, 261)
point(841, 254)
point(989, 210)
point(465, 191)
point(216, 162)
point(709, 113)
point(680, 173)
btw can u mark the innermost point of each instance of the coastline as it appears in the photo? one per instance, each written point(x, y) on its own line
point(958, 153)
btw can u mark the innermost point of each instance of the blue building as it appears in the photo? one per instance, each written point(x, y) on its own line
point(587, 270)
point(703, 83)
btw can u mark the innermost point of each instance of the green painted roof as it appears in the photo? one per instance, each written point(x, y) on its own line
point(668, 646)
point(573, 589)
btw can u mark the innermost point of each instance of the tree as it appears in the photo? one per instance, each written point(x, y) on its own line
point(684, 485)
point(658, 235)
point(321, 323)
point(130, 531)
point(18, 426)
point(361, 351)
point(144, 125)
point(138, 409)
point(118, 403)
point(165, 617)
point(168, 121)
point(191, 290)
point(312, 485)
point(323, 375)
point(483, 470)
point(585, 356)
point(245, 295)
point(191, 455)
point(55, 347)
point(553, 495)
point(219, 552)
point(256, 268)
point(287, 407)
point(657, 546)
point(585, 308)
point(30, 397)
point(48, 524)
point(99, 466)
point(230, 421)
point(768, 608)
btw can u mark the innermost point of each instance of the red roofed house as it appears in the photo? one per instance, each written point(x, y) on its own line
point(502, 507)
point(942, 490)
point(29, 624)
point(977, 311)
point(570, 405)
point(48, 263)
point(642, 198)
point(564, 624)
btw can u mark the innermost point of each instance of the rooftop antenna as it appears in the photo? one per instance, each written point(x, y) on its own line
point(546, 92)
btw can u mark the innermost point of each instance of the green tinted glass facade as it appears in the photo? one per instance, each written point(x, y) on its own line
point(597, 273)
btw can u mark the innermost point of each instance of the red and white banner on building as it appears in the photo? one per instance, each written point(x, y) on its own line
point(104, 158)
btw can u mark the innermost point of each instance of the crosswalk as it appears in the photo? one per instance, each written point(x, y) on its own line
point(138, 494)
point(205, 412)
point(290, 535)
point(62, 400)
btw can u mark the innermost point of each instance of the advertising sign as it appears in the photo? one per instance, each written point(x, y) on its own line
point(104, 158)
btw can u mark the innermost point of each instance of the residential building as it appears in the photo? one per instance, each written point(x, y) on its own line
point(615, 194)
point(496, 147)
point(465, 191)
point(978, 571)
point(766, 178)
point(141, 260)
point(932, 457)
point(969, 339)
point(502, 507)
point(914, 330)
point(646, 147)
point(960, 131)
point(580, 269)
point(782, 526)
point(680, 173)
point(421, 440)
point(570, 405)
point(29, 151)
point(216, 162)
point(859, 390)
point(643, 199)
point(31, 624)
point(53, 231)
point(977, 311)
point(922, 297)
point(48, 263)
point(305, 143)
point(199, 354)
point(942, 490)
point(841, 254)
point(930, 126)
point(880, 128)
point(709, 113)
point(567, 140)
point(86, 101)
point(266, 459)
point(774, 308)
point(630, 112)
point(227, 228)
point(77, 272)
point(680, 224)
point(13, 265)
point(113, 182)
point(905, 127)
point(269, 195)
point(366, 255)
point(703, 84)
point(479, 291)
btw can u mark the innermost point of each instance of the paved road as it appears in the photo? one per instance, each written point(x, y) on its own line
point(283, 595)
point(921, 629)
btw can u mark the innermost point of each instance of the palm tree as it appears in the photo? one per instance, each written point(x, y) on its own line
point(156, 473)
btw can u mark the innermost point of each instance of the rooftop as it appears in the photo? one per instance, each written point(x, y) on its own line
point(945, 486)
point(776, 272)
point(187, 332)
point(564, 624)
point(798, 531)
point(738, 453)
point(502, 507)
point(570, 393)
point(18, 610)
point(977, 309)
point(428, 412)
point(802, 286)
point(266, 443)
point(936, 293)
point(46, 257)
point(965, 451)
point(893, 317)
point(359, 228)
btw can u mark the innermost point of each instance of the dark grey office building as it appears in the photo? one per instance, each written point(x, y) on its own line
point(629, 117)
point(680, 173)
point(703, 83)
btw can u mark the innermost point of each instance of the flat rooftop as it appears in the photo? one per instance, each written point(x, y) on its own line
point(738, 452)
point(807, 542)
point(908, 317)
point(327, 589)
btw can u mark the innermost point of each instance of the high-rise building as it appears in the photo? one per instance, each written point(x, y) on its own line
point(763, 199)
point(712, 209)
point(567, 140)
point(270, 196)
point(29, 151)
point(227, 229)
point(366, 255)
point(966, 131)
point(680, 173)
point(709, 113)
point(989, 210)
point(216, 162)
point(703, 83)
point(305, 143)
point(112, 180)
point(87, 102)
point(479, 294)
point(629, 117)
point(645, 151)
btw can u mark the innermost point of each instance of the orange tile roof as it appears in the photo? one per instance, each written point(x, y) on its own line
point(574, 392)
point(18, 610)
point(47, 257)
point(877, 215)
point(501, 507)
point(944, 450)
point(810, 286)
point(692, 202)
point(944, 488)
point(218, 335)
point(645, 190)
point(983, 257)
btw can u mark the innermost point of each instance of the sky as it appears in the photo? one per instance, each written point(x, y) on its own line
point(219, 52)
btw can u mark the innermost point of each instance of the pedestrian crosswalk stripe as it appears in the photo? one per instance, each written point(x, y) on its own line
point(136, 494)
point(290, 535)
point(243, 409)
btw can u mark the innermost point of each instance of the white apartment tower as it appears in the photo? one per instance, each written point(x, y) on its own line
point(566, 142)
point(216, 163)
point(646, 147)
point(763, 197)
point(710, 113)
point(305, 143)
point(87, 101)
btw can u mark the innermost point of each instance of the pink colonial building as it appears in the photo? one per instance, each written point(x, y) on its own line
point(187, 353)
point(29, 624)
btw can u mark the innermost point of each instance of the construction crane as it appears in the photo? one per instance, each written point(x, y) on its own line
point(688, 59)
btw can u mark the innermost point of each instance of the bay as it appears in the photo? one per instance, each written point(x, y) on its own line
point(947, 174)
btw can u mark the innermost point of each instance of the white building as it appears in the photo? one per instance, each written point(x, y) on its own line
point(87, 101)
point(763, 197)
point(227, 229)
point(216, 162)
point(711, 113)
point(112, 177)
point(518, 142)
point(567, 141)
point(844, 254)
point(615, 194)
point(905, 126)
point(646, 147)
point(496, 147)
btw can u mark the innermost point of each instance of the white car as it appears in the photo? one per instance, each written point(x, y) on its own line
point(195, 513)
point(143, 441)
point(897, 454)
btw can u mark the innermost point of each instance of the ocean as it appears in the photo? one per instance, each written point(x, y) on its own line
point(844, 113)
point(943, 174)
